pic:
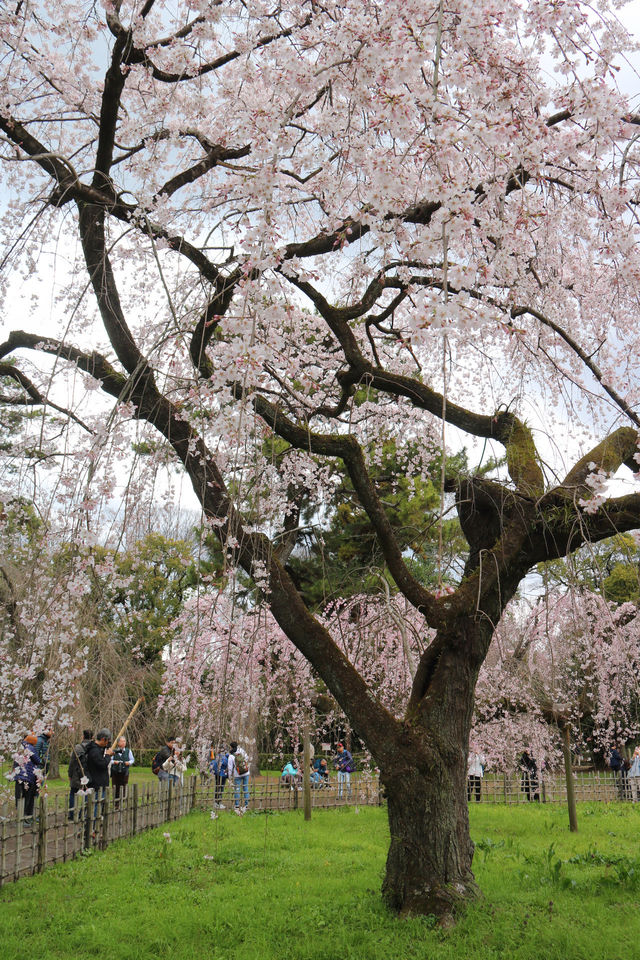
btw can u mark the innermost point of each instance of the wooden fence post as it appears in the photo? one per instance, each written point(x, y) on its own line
point(104, 832)
point(86, 815)
point(42, 833)
point(19, 832)
point(571, 797)
point(134, 825)
point(306, 771)
point(3, 842)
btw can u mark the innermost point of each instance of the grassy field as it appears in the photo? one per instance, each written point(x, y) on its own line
point(274, 887)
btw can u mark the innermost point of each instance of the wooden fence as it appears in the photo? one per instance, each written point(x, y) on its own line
point(56, 834)
point(552, 788)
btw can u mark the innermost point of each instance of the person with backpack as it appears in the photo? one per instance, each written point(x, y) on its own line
point(344, 765)
point(121, 763)
point(43, 749)
point(160, 759)
point(176, 764)
point(238, 769)
point(219, 769)
point(77, 770)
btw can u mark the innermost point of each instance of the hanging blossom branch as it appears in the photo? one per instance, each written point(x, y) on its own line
point(33, 394)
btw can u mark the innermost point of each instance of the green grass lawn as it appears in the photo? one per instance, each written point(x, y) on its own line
point(274, 887)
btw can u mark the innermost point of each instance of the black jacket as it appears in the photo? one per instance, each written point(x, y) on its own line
point(163, 754)
point(78, 768)
point(97, 765)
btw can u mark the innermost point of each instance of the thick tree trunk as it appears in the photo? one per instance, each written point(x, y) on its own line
point(429, 862)
point(430, 856)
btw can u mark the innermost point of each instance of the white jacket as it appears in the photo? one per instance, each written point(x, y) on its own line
point(475, 765)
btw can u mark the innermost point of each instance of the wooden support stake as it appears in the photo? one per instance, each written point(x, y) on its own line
point(571, 797)
point(306, 773)
point(128, 720)
point(104, 832)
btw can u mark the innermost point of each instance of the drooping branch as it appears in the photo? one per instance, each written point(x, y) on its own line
point(347, 448)
point(138, 56)
point(34, 395)
point(586, 359)
point(253, 551)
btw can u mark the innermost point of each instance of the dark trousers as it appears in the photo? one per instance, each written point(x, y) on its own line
point(220, 782)
point(119, 781)
point(530, 786)
point(474, 786)
point(28, 791)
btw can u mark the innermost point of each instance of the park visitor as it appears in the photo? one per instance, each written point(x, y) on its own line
point(43, 749)
point(26, 776)
point(160, 758)
point(290, 775)
point(529, 776)
point(121, 763)
point(321, 772)
point(175, 764)
point(78, 770)
point(344, 765)
point(475, 773)
point(634, 775)
point(219, 769)
point(99, 755)
point(238, 767)
point(617, 764)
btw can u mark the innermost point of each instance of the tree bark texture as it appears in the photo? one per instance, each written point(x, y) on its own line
point(428, 868)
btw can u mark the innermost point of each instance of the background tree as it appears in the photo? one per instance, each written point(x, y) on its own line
point(572, 655)
point(274, 209)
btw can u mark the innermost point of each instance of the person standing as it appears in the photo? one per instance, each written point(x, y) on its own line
point(27, 777)
point(238, 768)
point(529, 777)
point(219, 768)
point(475, 773)
point(160, 759)
point(344, 765)
point(43, 749)
point(77, 770)
point(99, 755)
point(634, 775)
point(616, 763)
point(122, 761)
point(176, 764)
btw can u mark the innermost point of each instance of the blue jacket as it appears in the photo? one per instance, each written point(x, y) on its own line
point(26, 771)
point(219, 766)
point(615, 759)
point(43, 745)
point(344, 762)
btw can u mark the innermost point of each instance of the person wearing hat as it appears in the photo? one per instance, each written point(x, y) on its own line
point(344, 766)
point(99, 755)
